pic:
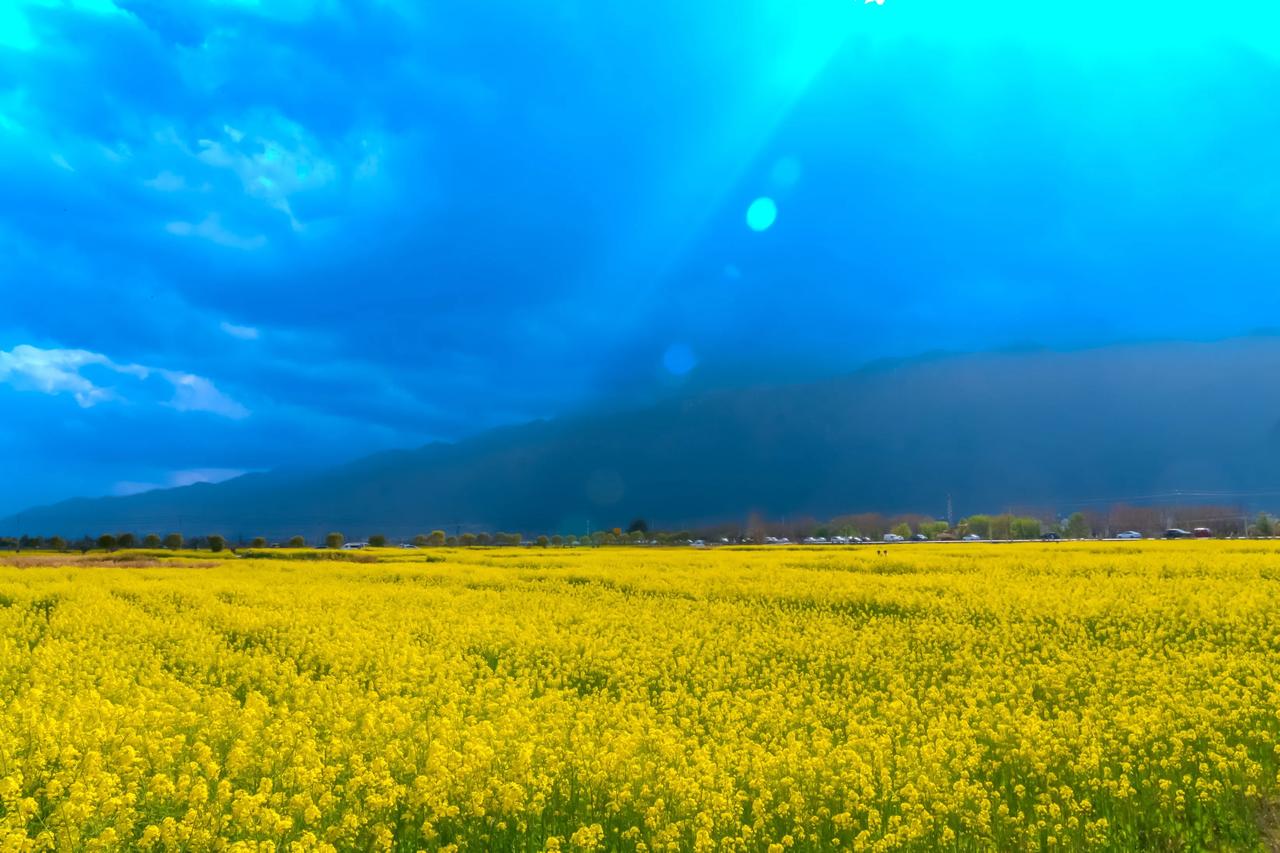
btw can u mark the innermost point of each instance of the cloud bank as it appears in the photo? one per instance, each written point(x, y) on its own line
point(61, 371)
point(237, 235)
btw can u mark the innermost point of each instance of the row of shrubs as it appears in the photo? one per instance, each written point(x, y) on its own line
point(333, 541)
point(215, 542)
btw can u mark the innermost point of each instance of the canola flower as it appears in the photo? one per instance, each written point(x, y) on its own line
point(1072, 696)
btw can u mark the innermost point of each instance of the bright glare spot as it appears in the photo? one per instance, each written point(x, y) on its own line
point(785, 172)
point(761, 214)
point(679, 359)
point(15, 32)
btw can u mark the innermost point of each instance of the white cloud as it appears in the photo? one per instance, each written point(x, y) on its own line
point(270, 168)
point(176, 479)
point(244, 333)
point(124, 488)
point(211, 229)
point(204, 475)
point(59, 371)
point(193, 393)
point(166, 182)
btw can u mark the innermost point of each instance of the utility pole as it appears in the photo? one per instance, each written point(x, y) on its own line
point(949, 519)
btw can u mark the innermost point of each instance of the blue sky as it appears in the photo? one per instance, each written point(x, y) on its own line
point(237, 235)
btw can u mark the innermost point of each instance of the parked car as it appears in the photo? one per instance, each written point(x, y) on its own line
point(971, 537)
point(1177, 533)
point(919, 537)
point(1201, 532)
point(892, 537)
point(1129, 534)
point(1050, 536)
point(407, 546)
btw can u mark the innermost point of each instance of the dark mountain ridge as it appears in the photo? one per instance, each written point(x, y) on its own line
point(1026, 427)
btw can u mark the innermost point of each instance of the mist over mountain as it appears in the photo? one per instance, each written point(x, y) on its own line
point(1042, 428)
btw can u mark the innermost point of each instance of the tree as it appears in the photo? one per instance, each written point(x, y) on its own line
point(1001, 526)
point(1264, 526)
point(903, 530)
point(57, 543)
point(127, 540)
point(466, 540)
point(483, 538)
point(107, 542)
point(544, 541)
point(1025, 528)
point(557, 540)
point(421, 540)
point(979, 525)
point(173, 541)
point(933, 529)
point(639, 525)
point(1077, 526)
point(377, 540)
point(436, 539)
point(297, 542)
point(216, 543)
point(258, 542)
point(334, 540)
point(151, 540)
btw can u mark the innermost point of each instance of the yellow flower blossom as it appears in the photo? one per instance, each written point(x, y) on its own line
point(1005, 697)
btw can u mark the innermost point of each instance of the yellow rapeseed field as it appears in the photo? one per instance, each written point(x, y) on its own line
point(1118, 696)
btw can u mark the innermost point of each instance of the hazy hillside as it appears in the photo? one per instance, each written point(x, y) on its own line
point(992, 430)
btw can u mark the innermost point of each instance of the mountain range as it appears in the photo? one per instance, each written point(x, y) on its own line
point(991, 430)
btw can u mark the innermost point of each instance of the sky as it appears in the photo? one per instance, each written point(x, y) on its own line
point(240, 235)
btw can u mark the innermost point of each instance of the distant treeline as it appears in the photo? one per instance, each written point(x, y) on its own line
point(217, 542)
point(1020, 524)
